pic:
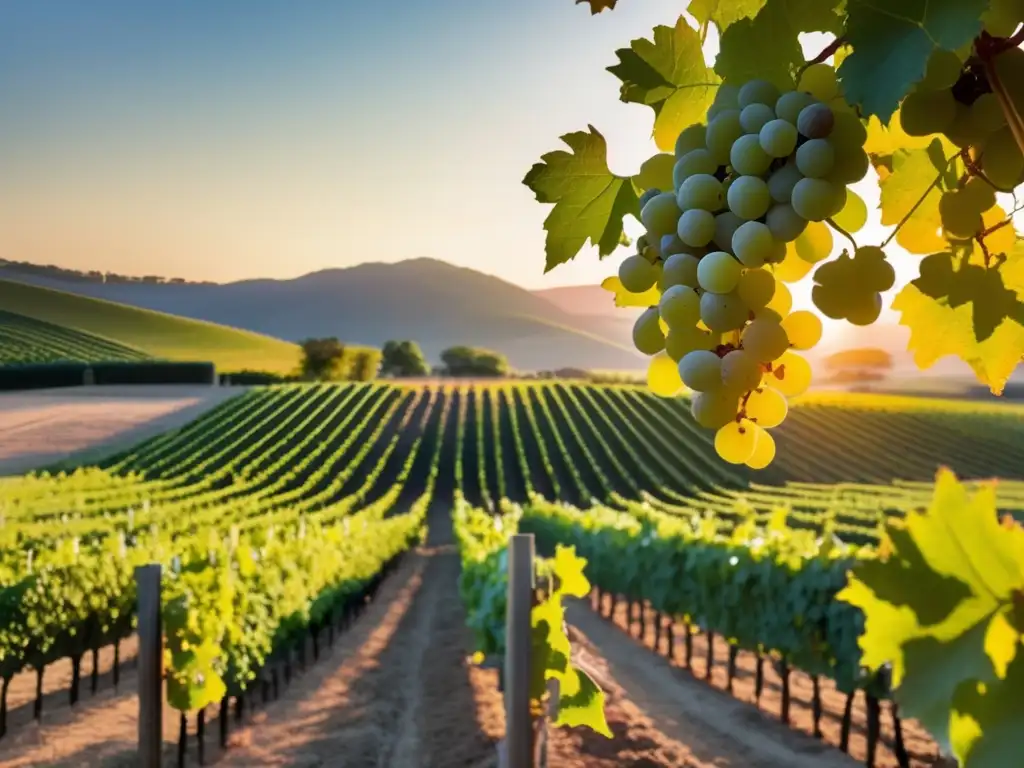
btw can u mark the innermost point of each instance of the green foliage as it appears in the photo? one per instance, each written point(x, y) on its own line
point(25, 340)
point(867, 357)
point(330, 360)
point(403, 359)
point(473, 361)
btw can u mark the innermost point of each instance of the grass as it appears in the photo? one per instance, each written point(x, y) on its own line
point(158, 334)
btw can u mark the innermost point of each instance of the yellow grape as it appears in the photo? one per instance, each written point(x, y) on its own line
point(764, 451)
point(791, 375)
point(767, 407)
point(756, 287)
point(735, 442)
point(663, 376)
point(803, 329)
point(782, 300)
point(792, 269)
point(819, 80)
point(854, 215)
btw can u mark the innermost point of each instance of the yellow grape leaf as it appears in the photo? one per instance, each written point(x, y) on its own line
point(624, 298)
point(584, 706)
point(569, 570)
point(723, 13)
point(1003, 239)
point(887, 140)
point(971, 312)
point(596, 6)
point(916, 173)
point(668, 75)
point(656, 172)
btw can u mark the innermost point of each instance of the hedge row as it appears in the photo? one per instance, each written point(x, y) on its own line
point(47, 375)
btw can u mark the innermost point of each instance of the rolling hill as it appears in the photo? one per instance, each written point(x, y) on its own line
point(156, 333)
point(431, 301)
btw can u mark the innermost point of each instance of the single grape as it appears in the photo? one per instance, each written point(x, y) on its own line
point(925, 112)
point(756, 288)
point(682, 340)
point(718, 272)
point(960, 219)
point(792, 268)
point(722, 313)
point(831, 302)
point(849, 167)
point(782, 181)
point(671, 245)
point(778, 138)
point(663, 376)
point(791, 375)
point(721, 133)
point(741, 372)
point(701, 370)
point(693, 162)
point(753, 244)
point(679, 269)
point(727, 97)
point(848, 133)
point(647, 334)
point(713, 410)
point(815, 121)
point(735, 442)
point(767, 407)
point(749, 197)
point(791, 104)
point(866, 311)
point(757, 92)
point(726, 224)
point(647, 196)
point(815, 158)
point(637, 274)
point(702, 191)
point(1002, 160)
point(696, 227)
point(661, 215)
point(782, 300)
point(786, 225)
point(986, 114)
point(817, 199)
point(754, 116)
point(764, 451)
point(936, 275)
point(854, 214)
point(747, 157)
point(819, 80)
point(680, 307)
point(803, 329)
point(690, 138)
point(942, 71)
point(764, 339)
point(979, 193)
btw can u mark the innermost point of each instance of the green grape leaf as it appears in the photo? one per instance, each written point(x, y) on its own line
point(723, 13)
point(1003, 16)
point(911, 194)
point(768, 46)
point(590, 201)
point(584, 706)
point(656, 172)
point(596, 6)
point(985, 725)
point(669, 75)
point(973, 312)
point(892, 42)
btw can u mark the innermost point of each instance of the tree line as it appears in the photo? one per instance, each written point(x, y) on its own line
point(329, 359)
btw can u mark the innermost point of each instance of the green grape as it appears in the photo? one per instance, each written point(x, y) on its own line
point(735, 442)
point(782, 181)
point(754, 116)
point(727, 97)
point(850, 167)
point(926, 112)
point(815, 121)
point(979, 194)
point(663, 376)
point(701, 370)
point(1002, 160)
point(764, 339)
point(685, 339)
point(817, 199)
point(815, 158)
point(785, 224)
point(819, 80)
point(721, 133)
point(749, 198)
point(718, 272)
point(680, 307)
point(778, 138)
point(747, 157)
point(696, 227)
point(646, 197)
point(960, 219)
point(848, 133)
point(679, 269)
point(671, 245)
point(936, 275)
point(962, 131)
point(757, 92)
point(726, 224)
point(756, 288)
point(803, 329)
point(713, 410)
point(753, 244)
point(854, 215)
point(647, 335)
point(879, 275)
point(702, 191)
point(767, 407)
point(693, 162)
point(791, 104)
point(723, 313)
point(791, 374)
point(941, 72)
point(690, 138)
point(986, 115)
point(764, 451)
point(831, 302)
point(866, 310)
point(661, 215)
point(637, 274)
point(741, 372)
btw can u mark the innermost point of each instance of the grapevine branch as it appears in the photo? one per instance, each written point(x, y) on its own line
point(920, 201)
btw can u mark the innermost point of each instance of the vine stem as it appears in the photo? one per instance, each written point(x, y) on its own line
point(842, 232)
point(920, 201)
point(828, 50)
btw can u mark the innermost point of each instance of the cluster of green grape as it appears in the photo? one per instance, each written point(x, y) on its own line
point(745, 187)
point(850, 288)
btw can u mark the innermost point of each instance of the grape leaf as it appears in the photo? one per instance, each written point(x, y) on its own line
point(974, 313)
point(590, 201)
point(916, 173)
point(584, 706)
point(569, 570)
point(892, 40)
point(669, 75)
point(624, 298)
point(723, 13)
point(767, 46)
point(656, 172)
point(985, 727)
point(596, 6)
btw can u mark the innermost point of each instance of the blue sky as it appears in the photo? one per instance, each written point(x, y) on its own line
point(241, 138)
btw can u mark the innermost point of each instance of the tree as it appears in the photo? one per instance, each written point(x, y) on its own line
point(322, 359)
point(403, 358)
point(867, 357)
point(473, 361)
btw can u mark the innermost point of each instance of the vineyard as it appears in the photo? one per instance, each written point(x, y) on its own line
point(26, 340)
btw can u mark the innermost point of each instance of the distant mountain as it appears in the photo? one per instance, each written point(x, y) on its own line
point(586, 300)
point(431, 301)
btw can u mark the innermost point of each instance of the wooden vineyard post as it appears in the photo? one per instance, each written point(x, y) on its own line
point(518, 718)
point(147, 580)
